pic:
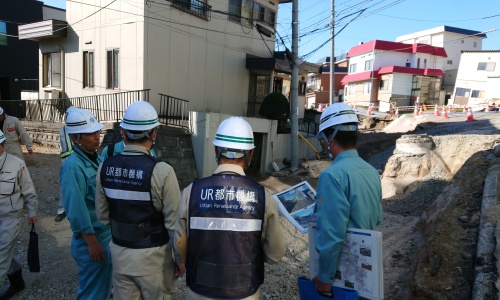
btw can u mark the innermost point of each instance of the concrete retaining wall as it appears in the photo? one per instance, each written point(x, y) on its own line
point(173, 145)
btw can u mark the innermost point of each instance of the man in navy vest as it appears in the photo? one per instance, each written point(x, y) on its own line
point(228, 224)
point(139, 195)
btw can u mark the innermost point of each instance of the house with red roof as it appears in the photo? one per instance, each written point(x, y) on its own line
point(402, 74)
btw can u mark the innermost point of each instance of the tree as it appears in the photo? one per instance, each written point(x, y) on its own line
point(275, 107)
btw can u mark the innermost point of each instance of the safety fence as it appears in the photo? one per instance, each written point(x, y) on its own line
point(173, 111)
point(106, 107)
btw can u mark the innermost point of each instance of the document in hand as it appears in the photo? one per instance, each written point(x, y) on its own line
point(360, 264)
point(297, 204)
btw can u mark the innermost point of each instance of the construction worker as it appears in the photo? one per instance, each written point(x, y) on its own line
point(349, 192)
point(89, 244)
point(16, 191)
point(66, 150)
point(14, 133)
point(228, 224)
point(139, 195)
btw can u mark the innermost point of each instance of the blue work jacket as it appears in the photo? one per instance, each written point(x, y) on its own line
point(78, 182)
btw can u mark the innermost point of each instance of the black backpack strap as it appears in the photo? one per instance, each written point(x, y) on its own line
point(111, 149)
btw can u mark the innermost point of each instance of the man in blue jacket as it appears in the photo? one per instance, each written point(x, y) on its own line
point(349, 192)
point(89, 244)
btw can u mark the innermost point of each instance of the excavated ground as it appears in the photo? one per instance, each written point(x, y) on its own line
point(430, 222)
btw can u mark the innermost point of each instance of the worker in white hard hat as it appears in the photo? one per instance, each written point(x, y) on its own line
point(228, 224)
point(15, 134)
point(16, 192)
point(66, 150)
point(139, 196)
point(89, 244)
point(349, 192)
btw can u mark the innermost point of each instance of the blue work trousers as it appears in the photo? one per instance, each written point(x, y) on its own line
point(94, 277)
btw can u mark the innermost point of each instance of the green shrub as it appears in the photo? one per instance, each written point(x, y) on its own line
point(275, 107)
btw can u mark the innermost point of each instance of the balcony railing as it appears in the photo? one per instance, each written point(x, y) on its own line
point(173, 111)
point(107, 107)
point(194, 7)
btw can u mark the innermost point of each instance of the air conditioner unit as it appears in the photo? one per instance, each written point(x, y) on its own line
point(55, 94)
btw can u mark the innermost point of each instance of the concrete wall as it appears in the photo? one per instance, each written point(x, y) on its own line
point(203, 127)
point(173, 145)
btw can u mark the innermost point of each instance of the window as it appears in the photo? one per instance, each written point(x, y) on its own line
point(449, 62)
point(369, 65)
point(474, 44)
point(352, 68)
point(462, 92)
point(418, 63)
point(235, 10)
point(425, 63)
point(384, 84)
point(3, 32)
point(248, 11)
point(477, 94)
point(52, 69)
point(486, 66)
point(351, 89)
point(88, 69)
point(367, 87)
point(423, 41)
point(112, 67)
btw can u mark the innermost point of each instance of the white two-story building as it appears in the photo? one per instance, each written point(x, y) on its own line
point(478, 78)
point(454, 40)
point(399, 73)
point(218, 55)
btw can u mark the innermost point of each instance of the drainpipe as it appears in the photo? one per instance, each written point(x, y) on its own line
point(63, 70)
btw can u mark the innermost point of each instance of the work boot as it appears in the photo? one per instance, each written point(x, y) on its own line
point(60, 217)
point(16, 284)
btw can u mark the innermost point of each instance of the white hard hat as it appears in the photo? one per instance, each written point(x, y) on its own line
point(71, 108)
point(2, 137)
point(82, 121)
point(1, 111)
point(336, 114)
point(140, 116)
point(234, 133)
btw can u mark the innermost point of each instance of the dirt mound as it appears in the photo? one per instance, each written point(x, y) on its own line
point(432, 218)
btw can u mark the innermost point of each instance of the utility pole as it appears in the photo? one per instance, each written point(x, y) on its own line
point(332, 57)
point(294, 91)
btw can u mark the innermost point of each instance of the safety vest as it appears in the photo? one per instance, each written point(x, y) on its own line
point(135, 223)
point(225, 258)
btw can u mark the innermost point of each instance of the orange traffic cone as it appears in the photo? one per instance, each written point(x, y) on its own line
point(470, 117)
point(465, 109)
point(415, 111)
point(444, 114)
point(449, 109)
point(420, 111)
point(369, 110)
point(391, 111)
point(436, 111)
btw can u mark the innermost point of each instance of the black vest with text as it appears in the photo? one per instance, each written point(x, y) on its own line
point(135, 223)
point(225, 256)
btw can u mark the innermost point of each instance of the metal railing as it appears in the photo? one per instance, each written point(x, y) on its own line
point(173, 111)
point(106, 107)
point(194, 7)
point(308, 126)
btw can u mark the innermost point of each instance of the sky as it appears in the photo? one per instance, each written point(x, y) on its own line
point(377, 20)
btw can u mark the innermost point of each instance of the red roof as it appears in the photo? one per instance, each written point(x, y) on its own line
point(397, 47)
point(414, 71)
point(358, 77)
